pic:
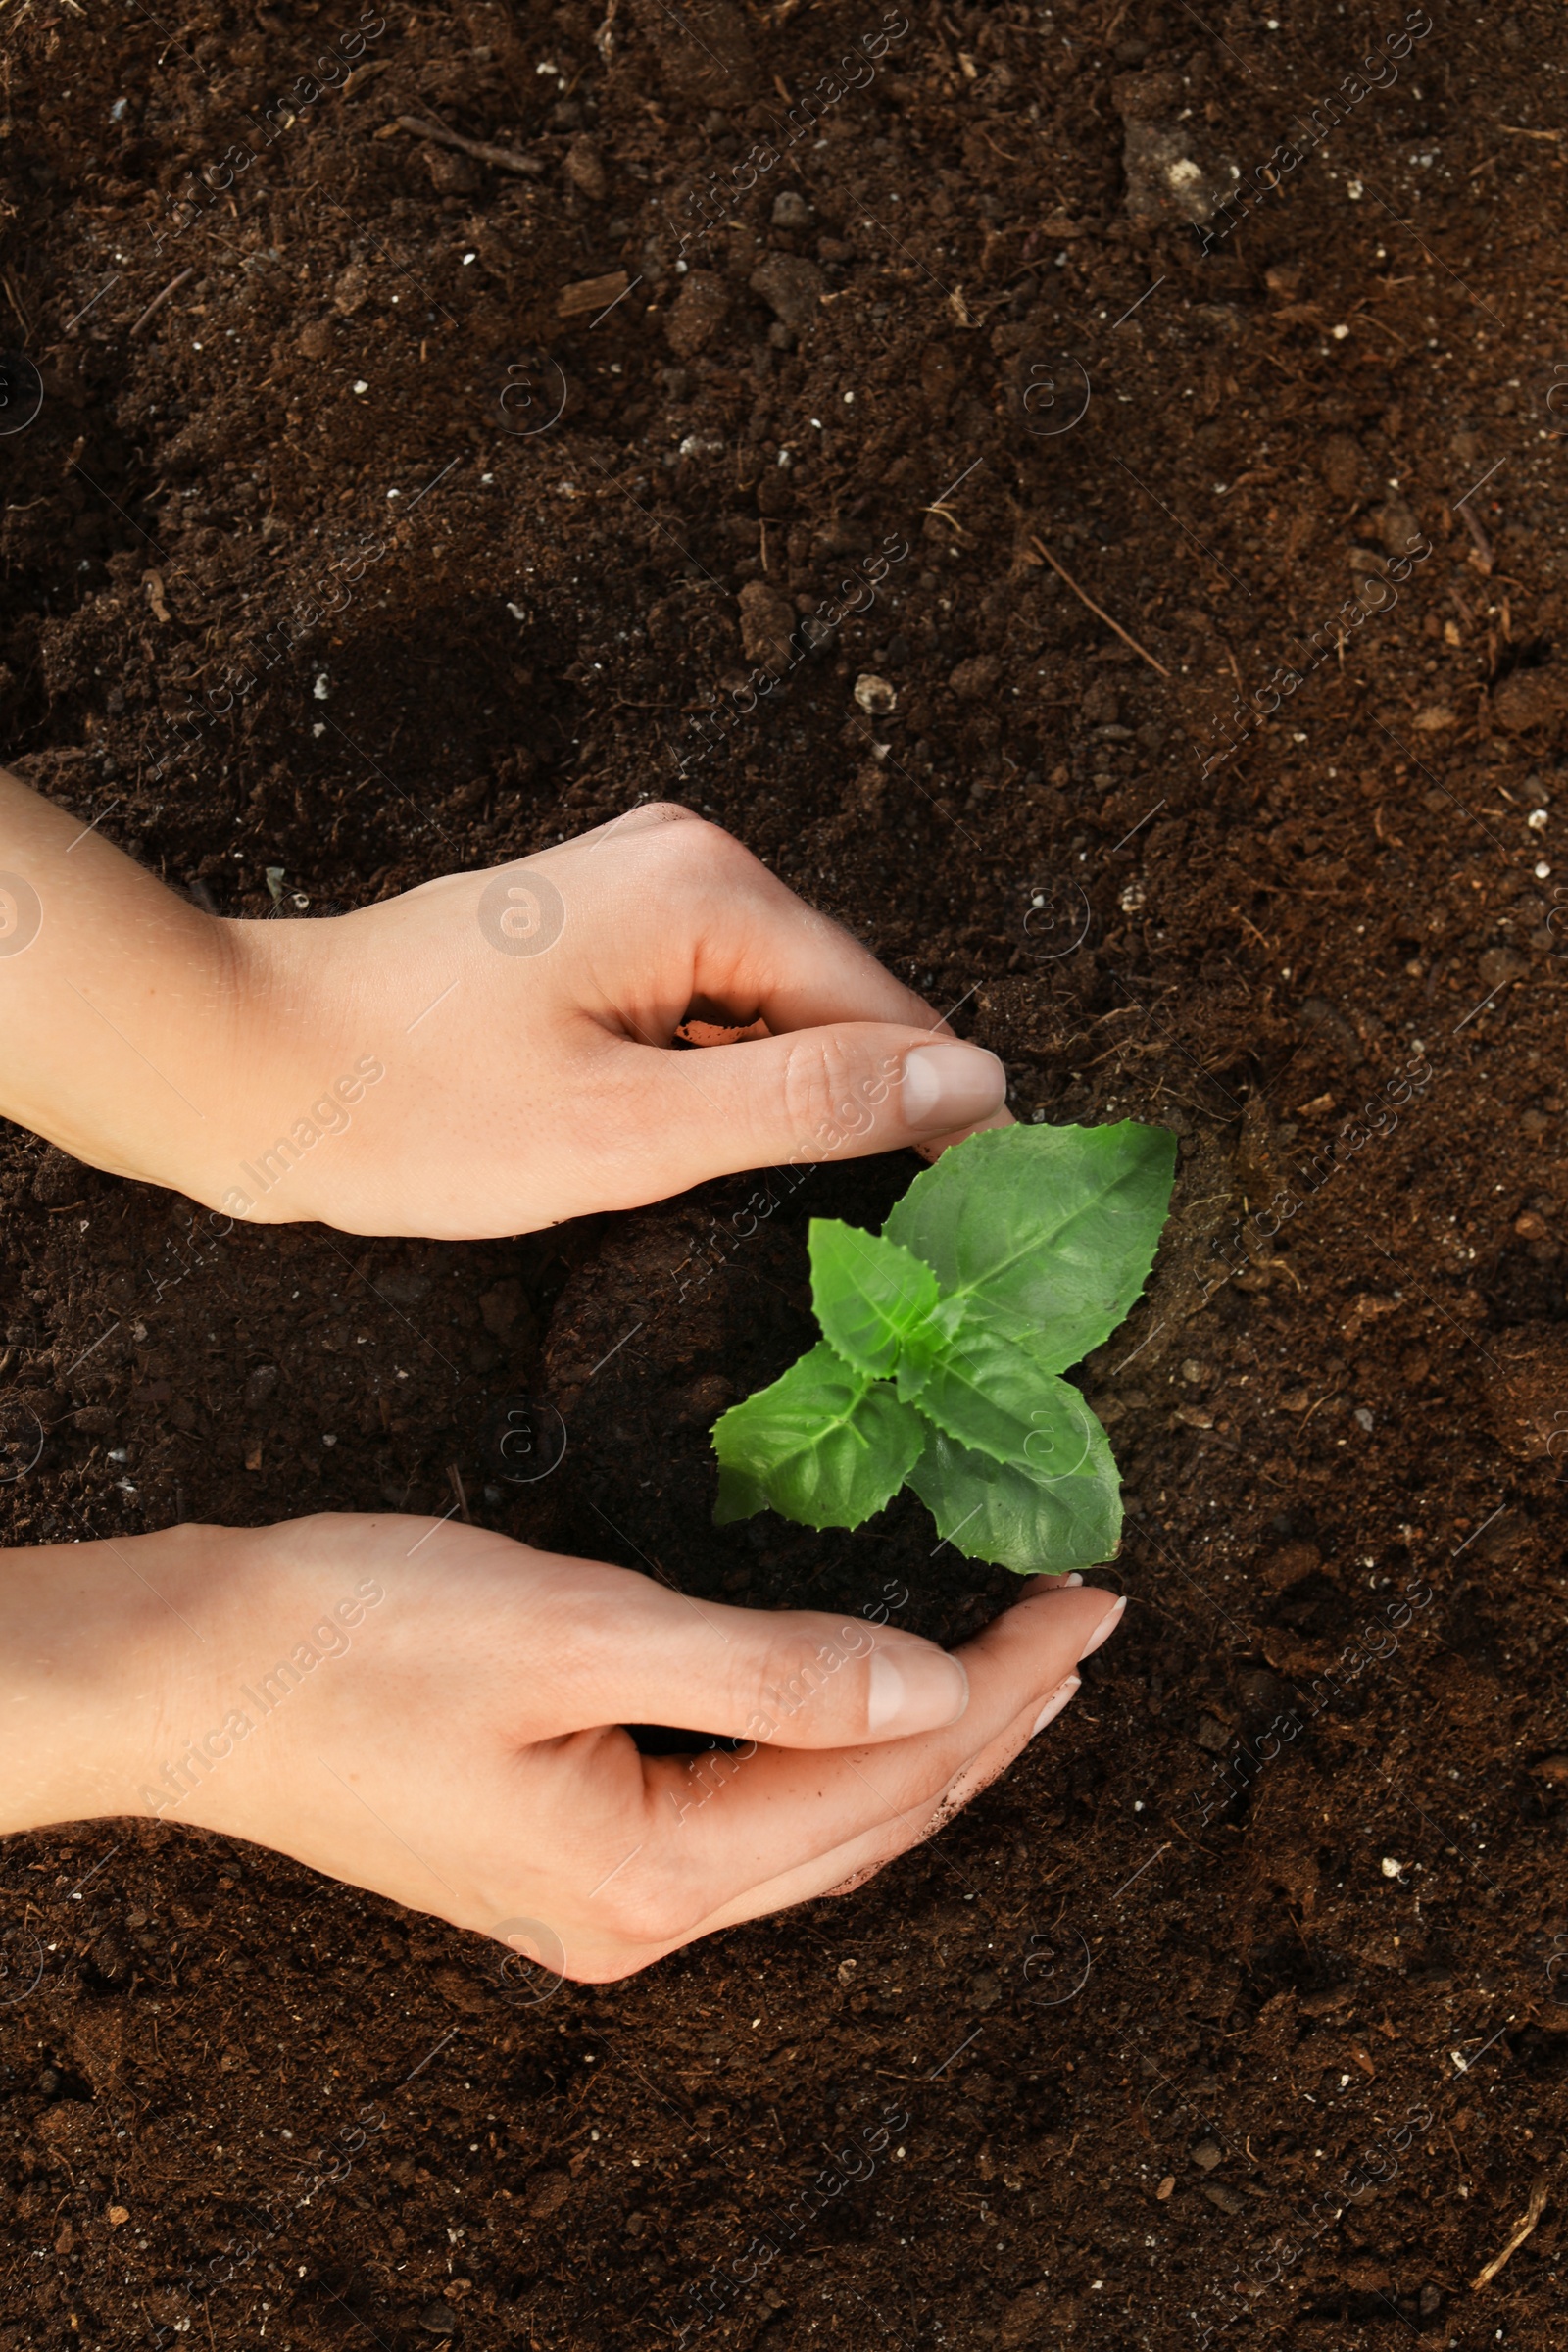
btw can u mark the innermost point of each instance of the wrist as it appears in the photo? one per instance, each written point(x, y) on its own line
point(140, 1034)
point(125, 1030)
point(309, 1044)
point(104, 1647)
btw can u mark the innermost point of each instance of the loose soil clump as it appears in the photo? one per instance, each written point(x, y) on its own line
point(507, 440)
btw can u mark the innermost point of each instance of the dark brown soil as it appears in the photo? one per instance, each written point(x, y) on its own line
point(1235, 2013)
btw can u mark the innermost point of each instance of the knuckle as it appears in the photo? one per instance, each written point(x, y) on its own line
point(608, 1971)
point(693, 842)
point(651, 1911)
point(797, 1669)
point(819, 1074)
point(653, 814)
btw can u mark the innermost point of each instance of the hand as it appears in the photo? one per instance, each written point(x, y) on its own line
point(434, 1712)
point(486, 1055)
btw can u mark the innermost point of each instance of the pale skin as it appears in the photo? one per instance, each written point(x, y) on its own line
point(519, 1088)
point(456, 1743)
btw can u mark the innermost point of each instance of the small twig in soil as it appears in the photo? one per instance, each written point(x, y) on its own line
point(1533, 2213)
point(158, 300)
point(455, 1475)
point(11, 294)
point(1484, 547)
point(1363, 313)
point(1099, 611)
point(504, 159)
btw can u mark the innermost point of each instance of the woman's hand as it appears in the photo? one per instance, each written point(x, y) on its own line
point(435, 1712)
point(487, 1055)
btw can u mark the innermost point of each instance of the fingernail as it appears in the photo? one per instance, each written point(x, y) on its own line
point(1104, 1630)
point(1054, 1703)
point(951, 1086)
point(1075, 1577)
point(918, 1691)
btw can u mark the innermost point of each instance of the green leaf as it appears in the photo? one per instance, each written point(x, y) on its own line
point(1019, 1252)
point(997, 1395)
point(1048, 1230)
point(825, 1445)
point(873, 1299)
point(1034, 1520)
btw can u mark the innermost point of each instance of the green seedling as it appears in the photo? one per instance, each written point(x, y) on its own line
point(944, 1341)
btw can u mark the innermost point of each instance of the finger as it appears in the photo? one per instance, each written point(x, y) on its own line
point(715, 1832)
point(640, 820)
point(844, 1868)
point(816, 1093)
point(635, 1651)
point(755, 948)
point(939, 1143)
point(701, 928)
point(850, 1866)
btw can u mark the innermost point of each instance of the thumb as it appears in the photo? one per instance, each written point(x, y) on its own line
point(799, 1678)
point(851, 1088)
point(789, 1678)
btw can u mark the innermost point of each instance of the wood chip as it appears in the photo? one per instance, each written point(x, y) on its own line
point(1533, 2213)
point(153, 588)
point(592, 294)
point(158, 300)
point(1323, 2004)
point(504, 159)
point(455, 1475)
